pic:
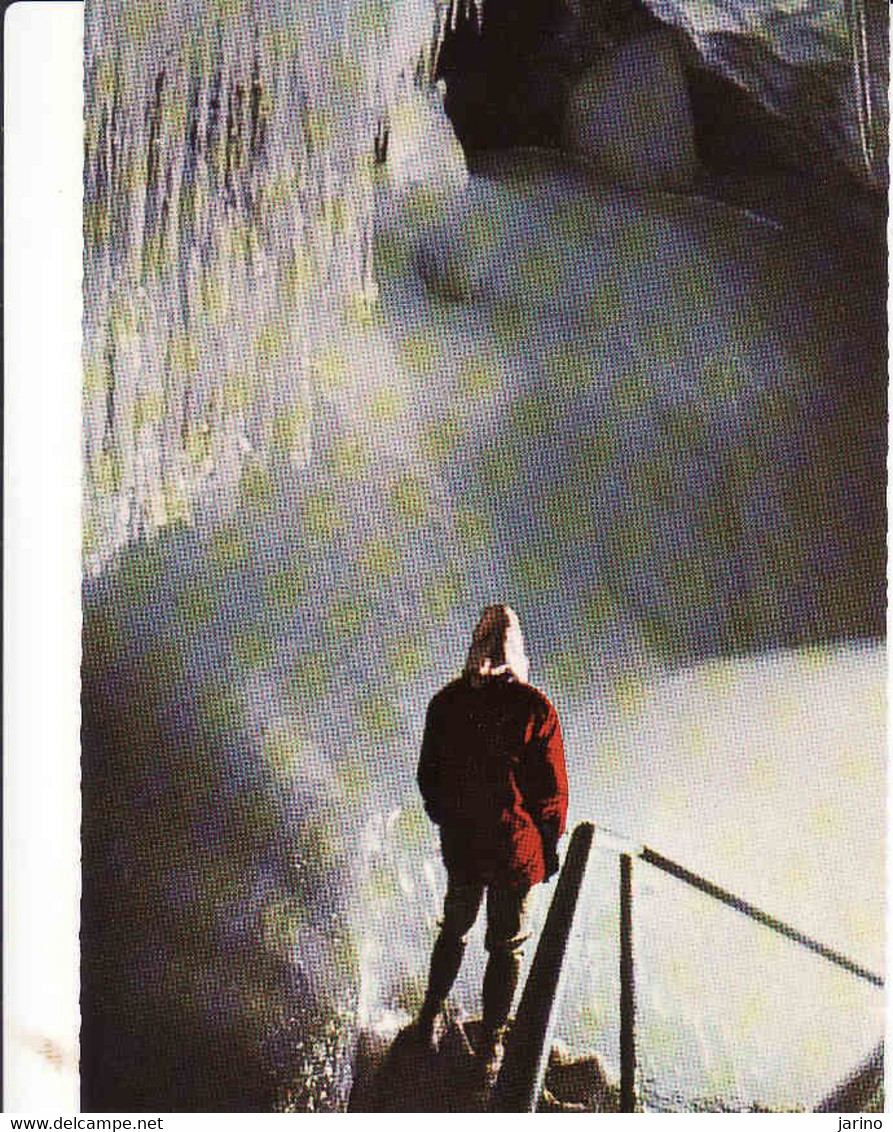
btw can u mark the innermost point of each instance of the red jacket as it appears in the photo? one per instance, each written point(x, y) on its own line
point(493, 778)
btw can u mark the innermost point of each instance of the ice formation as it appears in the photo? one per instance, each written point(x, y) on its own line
point(822, 64)
point(228, 187)
point(230, 167)
point(647, 418)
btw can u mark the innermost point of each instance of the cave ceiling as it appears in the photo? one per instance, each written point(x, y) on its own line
point(821, 63)
point(819, 67)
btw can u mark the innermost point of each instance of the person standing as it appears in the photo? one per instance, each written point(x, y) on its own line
point(493, 778)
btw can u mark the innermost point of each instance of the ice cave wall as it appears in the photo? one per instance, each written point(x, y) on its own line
point(821, 64)
point(229, 182)
point(228, 193)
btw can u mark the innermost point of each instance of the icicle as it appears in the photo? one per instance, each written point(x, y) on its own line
point(441, 18)
point(228, 219)
point(862, 81)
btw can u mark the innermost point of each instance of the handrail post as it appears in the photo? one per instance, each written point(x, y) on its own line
point(520, 1081)
point(627, 989)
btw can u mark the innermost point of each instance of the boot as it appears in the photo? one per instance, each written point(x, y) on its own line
point(490, 1053)
point(446, 959)
point(428, 1026)
point(500, 983)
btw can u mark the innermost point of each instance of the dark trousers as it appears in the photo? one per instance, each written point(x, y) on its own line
point(507, 912)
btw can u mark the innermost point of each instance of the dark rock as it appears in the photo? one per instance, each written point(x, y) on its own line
point(579, 1083)
point(408, 1076)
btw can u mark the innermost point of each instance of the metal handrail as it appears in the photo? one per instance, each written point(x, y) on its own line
point(627, 968)
point(627, 989)
point(757, 914)
point(520, 1080)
